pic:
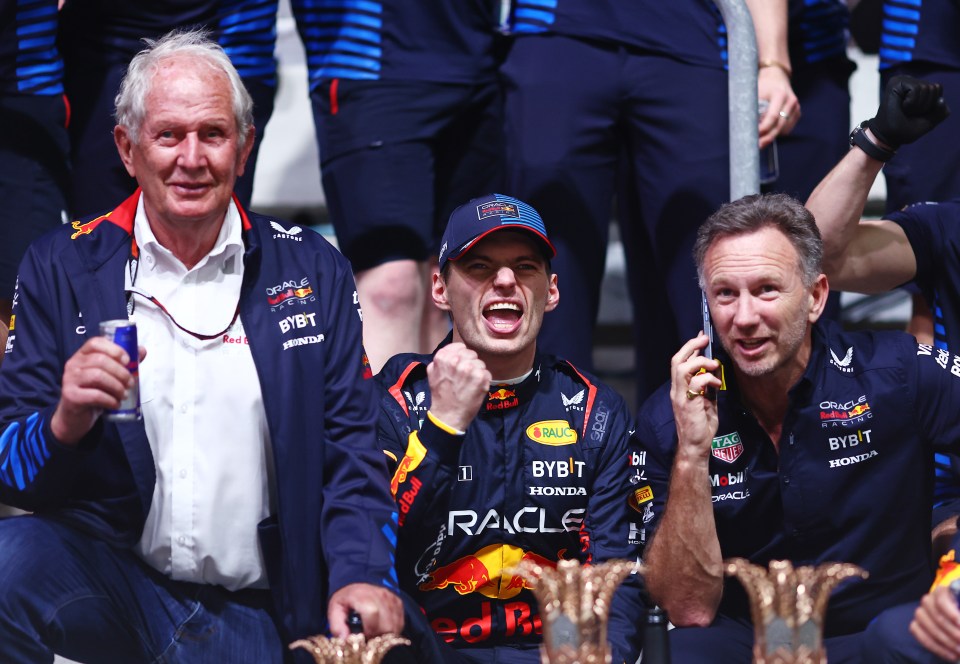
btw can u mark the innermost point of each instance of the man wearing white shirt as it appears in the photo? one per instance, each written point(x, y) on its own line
point(250, 506)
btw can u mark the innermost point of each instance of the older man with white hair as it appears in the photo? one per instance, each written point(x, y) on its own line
point(250, 505)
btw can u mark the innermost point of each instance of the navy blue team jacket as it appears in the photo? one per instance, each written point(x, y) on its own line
point(320, 408)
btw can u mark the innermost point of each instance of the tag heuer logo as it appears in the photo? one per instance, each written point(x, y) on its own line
point(727, 448)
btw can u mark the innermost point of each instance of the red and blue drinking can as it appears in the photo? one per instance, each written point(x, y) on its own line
point(124, 334)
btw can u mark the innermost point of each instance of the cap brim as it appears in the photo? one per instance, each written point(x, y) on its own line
point(550, 251)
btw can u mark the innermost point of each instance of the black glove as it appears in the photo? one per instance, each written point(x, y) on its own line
point(908, 110)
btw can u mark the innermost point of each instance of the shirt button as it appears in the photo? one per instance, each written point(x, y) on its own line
point(786, 480)
point(183, 473)
point(181, 540)
point(183, 408)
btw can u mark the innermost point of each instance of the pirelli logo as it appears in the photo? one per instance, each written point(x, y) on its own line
point(642, 495)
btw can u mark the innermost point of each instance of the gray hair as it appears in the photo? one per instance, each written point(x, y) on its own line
point(755, 212)
point(130, 101)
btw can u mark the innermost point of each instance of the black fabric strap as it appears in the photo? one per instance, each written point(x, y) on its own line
point(859, 138)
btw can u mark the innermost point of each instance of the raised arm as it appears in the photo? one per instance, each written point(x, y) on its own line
point(873, 256)
point(684, 561)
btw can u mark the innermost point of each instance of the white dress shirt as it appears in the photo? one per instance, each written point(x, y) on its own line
point(204, 415)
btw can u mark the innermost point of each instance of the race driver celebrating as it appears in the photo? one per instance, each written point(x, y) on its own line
point(502, 453)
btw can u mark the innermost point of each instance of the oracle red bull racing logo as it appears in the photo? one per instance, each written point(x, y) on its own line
point(496, 209)
point(845, 414)
point(294, 291)
point(489, 571)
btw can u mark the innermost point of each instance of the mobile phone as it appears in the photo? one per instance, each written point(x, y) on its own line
point(711, 393)
point(707, 326)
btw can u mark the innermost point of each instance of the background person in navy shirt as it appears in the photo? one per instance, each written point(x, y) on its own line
point(629, 97)
point(407, 109)
point(820, 448)
point(33, 135)
point(918, 245)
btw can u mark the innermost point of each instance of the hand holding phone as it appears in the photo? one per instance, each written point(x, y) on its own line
point(711, 393)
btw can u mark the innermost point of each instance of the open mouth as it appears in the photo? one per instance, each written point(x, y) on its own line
point(749, 346)
point(503, 316)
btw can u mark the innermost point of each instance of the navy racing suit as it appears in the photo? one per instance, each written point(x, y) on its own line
point(543, 473)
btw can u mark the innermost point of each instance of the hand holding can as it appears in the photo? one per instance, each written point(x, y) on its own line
point(124, 334)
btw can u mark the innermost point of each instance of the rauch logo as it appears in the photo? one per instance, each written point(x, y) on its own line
point(552, 432)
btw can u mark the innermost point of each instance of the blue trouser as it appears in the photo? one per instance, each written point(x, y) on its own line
point(263, 94)
point(33, 176)
point(397, 157)
point(586, 120)
point(730, 641)
point(64, 592)
point(887, 639)
point(99, 180)
point(821, 137)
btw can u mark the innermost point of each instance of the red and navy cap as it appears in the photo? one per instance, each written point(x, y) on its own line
point(476, 219)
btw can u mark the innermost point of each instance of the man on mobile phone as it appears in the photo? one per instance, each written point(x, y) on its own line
point(818, 449)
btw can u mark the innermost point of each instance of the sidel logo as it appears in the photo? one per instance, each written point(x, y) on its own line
point(552, 432)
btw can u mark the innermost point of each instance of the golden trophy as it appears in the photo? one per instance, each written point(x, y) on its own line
point(352, 649)
point(788, 606)
point(574, 605)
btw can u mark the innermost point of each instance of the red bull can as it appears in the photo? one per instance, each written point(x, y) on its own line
point(124, 334)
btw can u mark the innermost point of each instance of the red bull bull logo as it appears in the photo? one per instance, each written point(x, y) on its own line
point(489, 572)
point(502, 399)
point(87, 228)
point(949, 570)
point(416, 452)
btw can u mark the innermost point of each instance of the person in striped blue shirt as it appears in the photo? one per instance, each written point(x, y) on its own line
point(629, 98)
point(33, 135)
point(407, 110)
point(918, 39)
point(99, 37)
